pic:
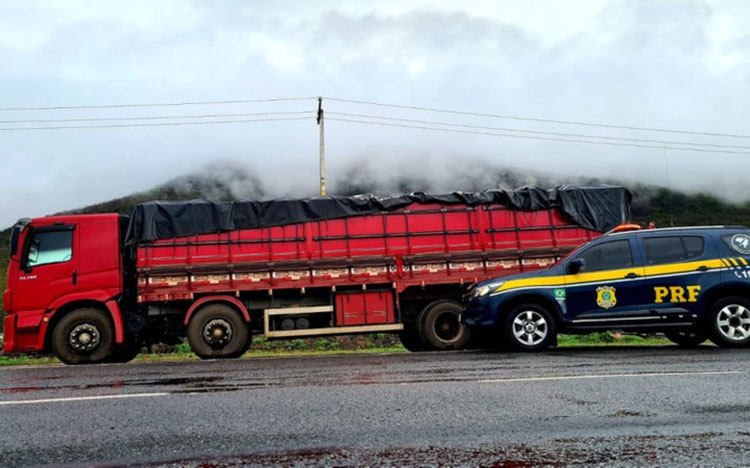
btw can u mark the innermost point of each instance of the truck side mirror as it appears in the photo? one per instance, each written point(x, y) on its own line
point(576, 266)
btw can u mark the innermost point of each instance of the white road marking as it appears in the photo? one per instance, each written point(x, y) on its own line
point(86, 398)
point(605, 376)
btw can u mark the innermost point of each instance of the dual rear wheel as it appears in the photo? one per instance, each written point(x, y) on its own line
point(437, 327)
point(218, 331)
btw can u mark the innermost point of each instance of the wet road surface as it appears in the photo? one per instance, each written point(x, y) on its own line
point(588, 406)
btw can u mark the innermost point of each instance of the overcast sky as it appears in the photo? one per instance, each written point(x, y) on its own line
point(665, 64)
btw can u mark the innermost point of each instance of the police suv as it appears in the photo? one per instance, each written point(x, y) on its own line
point(691, 284)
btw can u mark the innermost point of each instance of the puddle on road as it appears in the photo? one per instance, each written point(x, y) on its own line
point(197, 382)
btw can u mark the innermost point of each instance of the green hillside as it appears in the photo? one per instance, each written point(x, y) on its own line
point(663, 206)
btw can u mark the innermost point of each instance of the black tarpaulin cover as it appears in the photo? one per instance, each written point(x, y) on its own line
point(599, 208)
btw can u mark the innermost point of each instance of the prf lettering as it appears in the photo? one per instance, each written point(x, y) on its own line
point(676, 293)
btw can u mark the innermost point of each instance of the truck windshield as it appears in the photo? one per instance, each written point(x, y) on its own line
point(50, 247)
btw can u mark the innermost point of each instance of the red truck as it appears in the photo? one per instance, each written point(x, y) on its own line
point(96, 288)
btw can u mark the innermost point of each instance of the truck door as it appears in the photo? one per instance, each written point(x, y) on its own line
point(47, 270)
point(611, 284)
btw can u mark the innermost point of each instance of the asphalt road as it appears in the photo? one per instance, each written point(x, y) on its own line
point(606, 406)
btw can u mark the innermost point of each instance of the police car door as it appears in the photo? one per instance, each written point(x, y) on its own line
point(610, 285)
point(679, 267)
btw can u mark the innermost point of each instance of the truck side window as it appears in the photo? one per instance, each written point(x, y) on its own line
point(608, 256)
point(50, 247)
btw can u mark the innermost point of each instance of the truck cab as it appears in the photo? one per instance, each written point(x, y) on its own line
point(691, 284)
point(60, 265)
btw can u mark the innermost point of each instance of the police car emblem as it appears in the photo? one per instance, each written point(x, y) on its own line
point(741, 243)
point(605, 297)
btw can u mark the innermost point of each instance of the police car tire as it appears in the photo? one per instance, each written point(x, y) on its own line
point(715, 334)
point(85, 317)
point(521, 310)
point(224, 314)
point(685, 339)
point(429, 318)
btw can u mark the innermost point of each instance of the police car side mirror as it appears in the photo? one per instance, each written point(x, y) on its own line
point(576, 266)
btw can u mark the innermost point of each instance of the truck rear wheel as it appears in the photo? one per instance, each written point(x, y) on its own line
point(83, 336)
point(217, 331)
point(441, 328)
point(410, 338)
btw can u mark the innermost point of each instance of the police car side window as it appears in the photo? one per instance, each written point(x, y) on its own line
point(693, 246)
point(608, 256)
point(672, 249)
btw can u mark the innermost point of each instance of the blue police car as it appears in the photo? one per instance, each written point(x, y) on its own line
point(691, 284)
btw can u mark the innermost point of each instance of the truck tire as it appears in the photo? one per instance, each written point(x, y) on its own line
point(441, 328)
point(529, 327)
point(83, 336)
point(217, 331)
point(685, 339)
point(728, 322)
point(410, 338)
point(126, 352)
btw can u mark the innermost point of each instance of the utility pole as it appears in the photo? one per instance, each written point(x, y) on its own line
point(321, 124)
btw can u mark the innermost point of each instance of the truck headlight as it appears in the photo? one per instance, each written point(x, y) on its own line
point(486, 289)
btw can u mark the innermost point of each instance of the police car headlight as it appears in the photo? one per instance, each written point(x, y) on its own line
point(486, 289)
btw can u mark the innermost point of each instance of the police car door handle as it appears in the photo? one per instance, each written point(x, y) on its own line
point(703, 268)
point(632, 275)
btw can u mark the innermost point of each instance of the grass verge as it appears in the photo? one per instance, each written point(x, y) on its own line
point(370, 344)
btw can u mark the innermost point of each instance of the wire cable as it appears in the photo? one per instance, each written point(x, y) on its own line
point(160, 124)
point(156, 117)
point(534, 119)
point(536, 132)
point(527, 137)
point(160, 104)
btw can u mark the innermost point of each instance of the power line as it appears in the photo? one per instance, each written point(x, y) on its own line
point(534, 119)
point(161, 124)
point(527, 137)
point(536, 132)
point(156, 117)
point(160, 104)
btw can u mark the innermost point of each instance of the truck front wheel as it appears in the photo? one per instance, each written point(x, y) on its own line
point(83, 336)
point(217, 331)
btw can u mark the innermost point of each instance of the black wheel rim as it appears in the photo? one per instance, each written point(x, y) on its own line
point(84, 338)
point(217, 332)
point(447, 327)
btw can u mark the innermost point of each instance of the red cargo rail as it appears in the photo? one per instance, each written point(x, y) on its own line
point(411, 257)
point(422, 244)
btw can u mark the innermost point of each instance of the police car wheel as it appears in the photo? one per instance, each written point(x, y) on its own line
point(686, 339)
point(729, 322)
point(530, 327)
